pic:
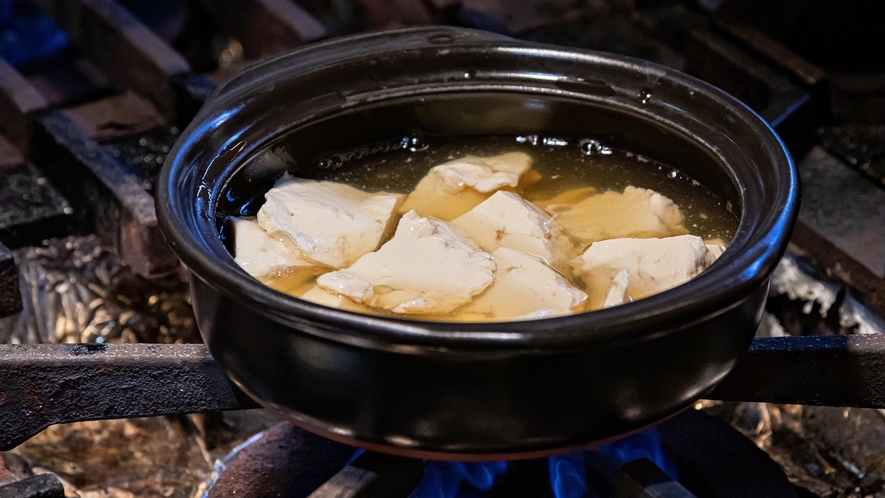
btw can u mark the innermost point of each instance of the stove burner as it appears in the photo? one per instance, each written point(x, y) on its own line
point(710, 458)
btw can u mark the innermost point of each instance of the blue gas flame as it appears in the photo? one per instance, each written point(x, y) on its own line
point(567, 475)
point(457, 479)
point(646, 444)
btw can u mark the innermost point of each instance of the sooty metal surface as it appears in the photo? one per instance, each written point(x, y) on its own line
point(41, 486)
point(41, 385)
point(836, 370)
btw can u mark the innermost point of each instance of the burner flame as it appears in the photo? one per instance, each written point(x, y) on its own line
point(646, 444)
point(452, 479)
point(567, 475)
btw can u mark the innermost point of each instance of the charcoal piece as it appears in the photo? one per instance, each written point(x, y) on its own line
point(142, 155)
point(10, 292)
point(840, 223)
point(41, 486)
point(106, 199)
point(31, 209)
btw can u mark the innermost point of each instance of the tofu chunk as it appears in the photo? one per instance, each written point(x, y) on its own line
point(453, 188)
point(566, 198)
point(328, 223)
point(269, 260)
point(652, 265)
point(507, 220)
point(425, 268)
point(637, 212)
point(525, 287)
point(317, 294)
point(716, 248)
point(617, 291)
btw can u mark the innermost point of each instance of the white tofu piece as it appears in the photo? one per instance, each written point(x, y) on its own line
point(317, 294)
point(507, 220)
point(617, 291)
point(330, 224)
point(269, 260)
point(426, 267)
point(653, 265)
point(637, 212)
point(572, 196)
point(525, 287)
point(453, 188)
point(716, 248)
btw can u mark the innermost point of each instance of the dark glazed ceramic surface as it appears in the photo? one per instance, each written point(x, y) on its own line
point(484, 390)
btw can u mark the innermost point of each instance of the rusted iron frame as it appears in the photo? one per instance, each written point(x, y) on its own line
point(41, 385)
point(106, 199)
point(133, 56)
point(265, 27)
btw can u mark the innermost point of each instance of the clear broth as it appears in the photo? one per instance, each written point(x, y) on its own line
point(564, 164)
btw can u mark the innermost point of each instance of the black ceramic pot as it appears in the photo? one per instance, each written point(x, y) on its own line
point(472, 391)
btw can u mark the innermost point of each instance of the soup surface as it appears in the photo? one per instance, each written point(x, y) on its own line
point(483, 228)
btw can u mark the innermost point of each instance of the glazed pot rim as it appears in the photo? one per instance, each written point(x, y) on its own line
point(758, 244)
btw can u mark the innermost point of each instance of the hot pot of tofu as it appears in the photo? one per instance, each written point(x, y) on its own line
point(451, 244)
